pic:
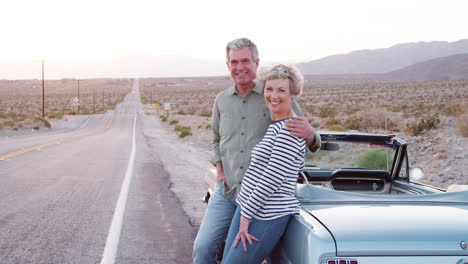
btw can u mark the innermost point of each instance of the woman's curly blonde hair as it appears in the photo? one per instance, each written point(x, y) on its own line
point(281, 71)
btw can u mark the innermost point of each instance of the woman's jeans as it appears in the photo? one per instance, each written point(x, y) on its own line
point(268, 232)
point(214, 227)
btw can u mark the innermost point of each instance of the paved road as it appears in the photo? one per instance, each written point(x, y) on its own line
point(57, 201)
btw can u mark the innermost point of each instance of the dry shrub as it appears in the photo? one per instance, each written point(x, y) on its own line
point(43, 120)
point(180, 128)
point(353, 123)
point(418, 127)
point(205, 113)
point(184, 130)
point(451, 109)
point(462, 124)
point(373, 118)
point(327, 111)
point(185, 133)
point(331, 122)
point(9, 123)
point(336, 127)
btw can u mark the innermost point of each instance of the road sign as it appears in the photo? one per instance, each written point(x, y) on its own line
point(157, 105)
point(167, 106)
point(75, 100)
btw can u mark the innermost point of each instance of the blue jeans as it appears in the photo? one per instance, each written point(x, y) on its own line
point(214, 227)
point(268, 232)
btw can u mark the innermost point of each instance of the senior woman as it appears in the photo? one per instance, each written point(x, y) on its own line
point(266, 200)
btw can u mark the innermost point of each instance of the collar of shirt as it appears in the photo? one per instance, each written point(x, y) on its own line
point(257, 89)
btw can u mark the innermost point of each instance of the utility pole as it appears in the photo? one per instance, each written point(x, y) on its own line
point(43, 91)
point(94, 99)
point(79, 96)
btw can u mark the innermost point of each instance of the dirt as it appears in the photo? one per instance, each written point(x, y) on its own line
point(442, 153)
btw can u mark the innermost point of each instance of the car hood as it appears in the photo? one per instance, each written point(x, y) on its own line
point(391, 228)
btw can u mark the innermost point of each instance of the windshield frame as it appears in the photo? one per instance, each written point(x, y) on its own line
point(397, 144)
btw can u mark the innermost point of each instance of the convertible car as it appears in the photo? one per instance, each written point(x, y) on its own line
point(361, 204)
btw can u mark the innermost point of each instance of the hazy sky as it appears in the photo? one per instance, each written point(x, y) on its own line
point(284, 30)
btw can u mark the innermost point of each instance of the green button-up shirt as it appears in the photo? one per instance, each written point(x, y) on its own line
point(238, 124)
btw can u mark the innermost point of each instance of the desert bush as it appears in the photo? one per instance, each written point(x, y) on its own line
point(396, 108)
point(392, 126)
point(181, 112)
point(462, 124)
point(451, 109)
point(208, 126)
point(20, 117)
point(336, 127)
point(375, 119)
point(43, 120)
point(36, 127)
point(56, 115)
point(331, 122)
point(185, 133)
point(9, 123)
point(418, 127)
point(184, 130)
point(327, 111)
point(144, 100)
point(205, 113)
point(351, 110)
point(163, 118)
point(179, 128)
point(353, 123)
point(375, 159)
point(173, 122)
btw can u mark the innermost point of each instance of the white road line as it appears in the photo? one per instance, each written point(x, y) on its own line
point(84, 123)
point(112, 242)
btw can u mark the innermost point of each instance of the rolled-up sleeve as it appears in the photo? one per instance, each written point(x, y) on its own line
point(317, 141)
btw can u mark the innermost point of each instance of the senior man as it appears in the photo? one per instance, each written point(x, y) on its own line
point(240, 119)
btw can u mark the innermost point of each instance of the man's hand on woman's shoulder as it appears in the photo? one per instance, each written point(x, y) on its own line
point(299, 126)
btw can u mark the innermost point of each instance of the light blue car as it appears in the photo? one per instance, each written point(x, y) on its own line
point(360, 206)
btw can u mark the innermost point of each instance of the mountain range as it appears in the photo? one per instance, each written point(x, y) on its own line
point(453, 67)
point(383, 60)
point(421, 61)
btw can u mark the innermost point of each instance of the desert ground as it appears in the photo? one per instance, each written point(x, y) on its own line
point(21, 101)
point(431, 116)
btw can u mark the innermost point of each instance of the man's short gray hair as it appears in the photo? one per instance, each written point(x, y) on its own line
point(281, 71)
point(239, 44)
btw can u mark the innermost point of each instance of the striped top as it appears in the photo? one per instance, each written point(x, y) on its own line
point(268, 186)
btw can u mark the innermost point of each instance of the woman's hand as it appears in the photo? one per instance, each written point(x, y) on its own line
point(243, 234)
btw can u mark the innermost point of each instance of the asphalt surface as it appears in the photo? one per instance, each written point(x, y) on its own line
point(58, 195)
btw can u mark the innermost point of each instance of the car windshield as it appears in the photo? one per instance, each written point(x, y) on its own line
point(339, 154)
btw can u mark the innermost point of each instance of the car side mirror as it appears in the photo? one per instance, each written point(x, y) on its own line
point(416, 173)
